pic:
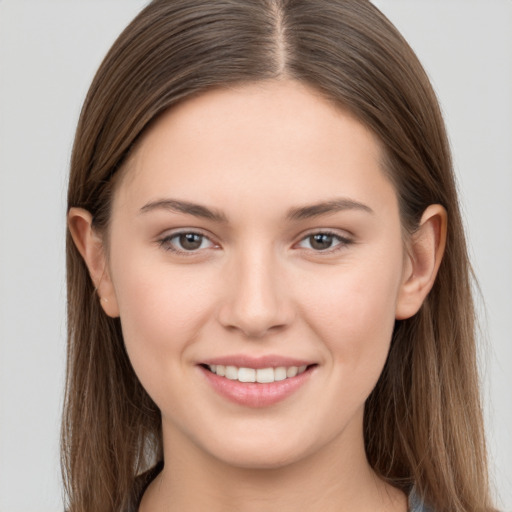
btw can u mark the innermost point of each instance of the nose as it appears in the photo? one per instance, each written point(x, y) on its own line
point(255, 300)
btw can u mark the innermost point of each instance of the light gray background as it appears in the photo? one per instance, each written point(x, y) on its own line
point(49, 51)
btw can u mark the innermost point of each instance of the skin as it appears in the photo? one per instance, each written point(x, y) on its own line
point(257, 285)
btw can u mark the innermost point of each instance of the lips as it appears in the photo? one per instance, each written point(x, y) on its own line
point(256, 382)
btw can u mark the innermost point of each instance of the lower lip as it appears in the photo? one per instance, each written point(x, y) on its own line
point(254, 394)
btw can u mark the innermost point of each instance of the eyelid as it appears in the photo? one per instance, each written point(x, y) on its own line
point(344, 240)
point(164, 241)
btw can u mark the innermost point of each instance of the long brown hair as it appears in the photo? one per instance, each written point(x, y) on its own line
point(423, 422)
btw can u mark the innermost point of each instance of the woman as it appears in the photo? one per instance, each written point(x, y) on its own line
point(269, 291)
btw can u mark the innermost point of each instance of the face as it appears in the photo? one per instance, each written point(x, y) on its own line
point(255, 237)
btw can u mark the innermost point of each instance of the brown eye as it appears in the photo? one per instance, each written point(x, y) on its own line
point(186, 242)
point(321, 241)
point(190, 241)
point(324, 241)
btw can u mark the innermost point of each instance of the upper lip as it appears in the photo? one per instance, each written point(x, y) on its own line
point(245, 361)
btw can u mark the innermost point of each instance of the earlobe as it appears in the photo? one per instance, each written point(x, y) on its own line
point(425, 253)
point(90, 246)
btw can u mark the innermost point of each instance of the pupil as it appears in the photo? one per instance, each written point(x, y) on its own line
point(190, 241)
point(321, 241)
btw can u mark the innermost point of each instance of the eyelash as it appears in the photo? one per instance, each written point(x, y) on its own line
point(343, 241)
point(166, 242)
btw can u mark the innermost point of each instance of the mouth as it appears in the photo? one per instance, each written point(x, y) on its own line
point(257, 384)
point(260, 375)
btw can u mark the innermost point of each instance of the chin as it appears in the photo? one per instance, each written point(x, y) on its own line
point(264, 450)
point(251, 459)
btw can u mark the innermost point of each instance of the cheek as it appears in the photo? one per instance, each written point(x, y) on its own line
point(354, 314)
point(153, 294)
point(162, 311)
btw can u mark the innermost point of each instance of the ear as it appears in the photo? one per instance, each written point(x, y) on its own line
point(425, 253)
point(91, 247)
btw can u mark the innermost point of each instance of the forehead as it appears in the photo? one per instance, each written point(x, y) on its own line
point(280, 138)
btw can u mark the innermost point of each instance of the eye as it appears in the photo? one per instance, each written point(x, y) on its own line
point(323, 241)
point(186, 242)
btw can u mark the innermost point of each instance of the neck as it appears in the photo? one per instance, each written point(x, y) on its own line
point(335, 479)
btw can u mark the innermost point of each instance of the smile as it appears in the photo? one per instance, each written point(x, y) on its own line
point(260, 375)
point(260, 382)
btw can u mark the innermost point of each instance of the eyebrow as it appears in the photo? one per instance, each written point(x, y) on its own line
point(326, 207)
point(301, 213)
point(194, 209)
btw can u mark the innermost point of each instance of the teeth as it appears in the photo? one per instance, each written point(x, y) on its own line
point(231, 372)
point(292, 371)
point(264, 375)
point(280, 373)
point(246, 374)
point(261, 375)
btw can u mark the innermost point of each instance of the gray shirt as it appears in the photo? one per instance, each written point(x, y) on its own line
point(415, 503)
